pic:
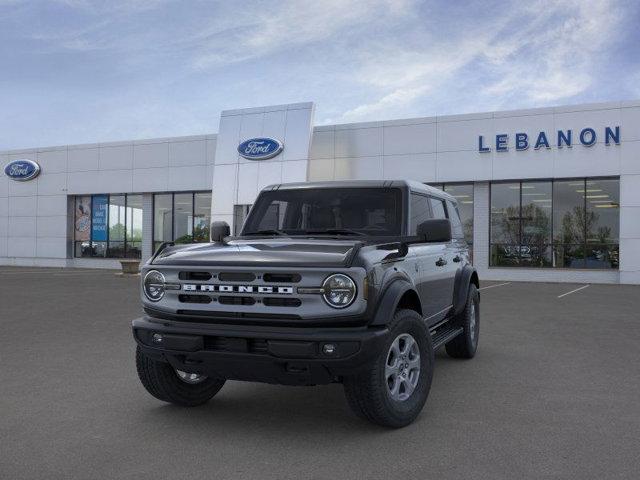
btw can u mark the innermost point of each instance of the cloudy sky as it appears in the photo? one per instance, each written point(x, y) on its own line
point(81, 71)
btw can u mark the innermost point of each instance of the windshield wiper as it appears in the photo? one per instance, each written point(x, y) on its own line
point(337, 231)
point(267, 232)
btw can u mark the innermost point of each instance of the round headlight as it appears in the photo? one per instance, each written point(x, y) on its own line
point(339, 291)
point(153, 285)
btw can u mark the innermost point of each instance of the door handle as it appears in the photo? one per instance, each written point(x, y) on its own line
point(441, 262)
point(456, 258)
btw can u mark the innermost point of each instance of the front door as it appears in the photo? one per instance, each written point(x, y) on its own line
point(434, 280)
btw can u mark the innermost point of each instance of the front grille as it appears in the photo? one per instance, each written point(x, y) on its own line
point(243, 295)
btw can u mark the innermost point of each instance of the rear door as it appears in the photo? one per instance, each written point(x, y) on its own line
point(446, 263)
point(427, 276)
point(461, 249)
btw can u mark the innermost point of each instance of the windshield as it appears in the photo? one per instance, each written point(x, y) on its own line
point(330, 211)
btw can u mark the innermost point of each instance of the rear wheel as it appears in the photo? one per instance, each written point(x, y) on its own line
point(466, 344)
point(392, 390)
point(175, 386)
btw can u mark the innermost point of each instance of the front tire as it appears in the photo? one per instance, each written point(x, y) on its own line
point(392, 390)
point(174, 386)
point(466, 344)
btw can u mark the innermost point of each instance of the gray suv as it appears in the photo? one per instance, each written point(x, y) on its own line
point(350, 282)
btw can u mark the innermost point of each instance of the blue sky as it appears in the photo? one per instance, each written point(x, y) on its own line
point(77, 71)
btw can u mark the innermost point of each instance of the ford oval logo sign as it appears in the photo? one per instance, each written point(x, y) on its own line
point(260, 148)
point(22, 170)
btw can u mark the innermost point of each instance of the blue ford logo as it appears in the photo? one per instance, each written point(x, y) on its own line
point(22, 170)
point(260, 148)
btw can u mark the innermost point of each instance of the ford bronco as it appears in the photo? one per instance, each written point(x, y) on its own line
point(354, 282)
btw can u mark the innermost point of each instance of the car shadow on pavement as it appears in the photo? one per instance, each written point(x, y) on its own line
point(254, 409)
point(249, 408)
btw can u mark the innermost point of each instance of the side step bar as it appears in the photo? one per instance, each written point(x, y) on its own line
point(444, 334)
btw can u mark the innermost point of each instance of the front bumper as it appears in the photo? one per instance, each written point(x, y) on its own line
point(289, 356)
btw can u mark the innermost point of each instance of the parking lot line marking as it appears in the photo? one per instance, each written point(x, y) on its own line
point(573, 291)
point(56, 273)
point(496, 285)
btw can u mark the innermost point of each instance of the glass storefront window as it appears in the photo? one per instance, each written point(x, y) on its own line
point(569, 223)
point(82, 226)
point(505, 224)
point(201, 216)
point(181, 217)
point(134, 226)
point(603, 223)
point(240, 213)
point(535, 243)
point(108, 226)
point(162, 219)
point(117, 220)
point(562, 224)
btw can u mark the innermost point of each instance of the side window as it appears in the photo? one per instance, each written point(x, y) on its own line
point(437, 206)
point(456, 223)
point(420, 212)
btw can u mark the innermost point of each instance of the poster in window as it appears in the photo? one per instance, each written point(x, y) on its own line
point(83, 219)
point(99, 214)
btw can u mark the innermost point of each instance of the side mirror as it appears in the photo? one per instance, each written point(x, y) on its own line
point(435, 230)
point(219, 230)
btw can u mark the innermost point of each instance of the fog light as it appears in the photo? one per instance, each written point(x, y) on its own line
point(156, 338)
point(328, 348)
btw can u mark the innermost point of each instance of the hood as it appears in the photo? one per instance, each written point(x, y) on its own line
point(274, 252)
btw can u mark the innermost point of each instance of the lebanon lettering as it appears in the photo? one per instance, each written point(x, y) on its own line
point(562, 139)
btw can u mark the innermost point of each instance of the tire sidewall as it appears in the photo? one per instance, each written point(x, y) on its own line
point(408, 321)
point(472, 299)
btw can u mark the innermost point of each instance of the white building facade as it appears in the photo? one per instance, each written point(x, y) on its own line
point(549, 194)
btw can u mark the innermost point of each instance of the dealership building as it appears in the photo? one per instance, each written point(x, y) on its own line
point(548, 194)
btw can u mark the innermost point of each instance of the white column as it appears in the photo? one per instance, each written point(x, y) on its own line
point(481, 217)
point(236, 180)
point(147, 226)
point(630, 229)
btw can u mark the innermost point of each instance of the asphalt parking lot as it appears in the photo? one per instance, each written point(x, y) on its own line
point(554, 392)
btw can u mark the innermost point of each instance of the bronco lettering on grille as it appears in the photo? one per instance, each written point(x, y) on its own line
point(263, 289)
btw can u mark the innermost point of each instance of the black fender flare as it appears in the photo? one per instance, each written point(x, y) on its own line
point(389, 300)
point(464, 277)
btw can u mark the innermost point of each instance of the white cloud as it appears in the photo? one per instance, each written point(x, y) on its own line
point(542, 52)
point(554, 63)
point(260, 32)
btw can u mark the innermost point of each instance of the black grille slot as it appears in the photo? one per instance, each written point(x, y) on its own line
point(236, 277)
point(281, 302)
point(195, 298)
point(198, 276)
point(281, 277)
point(236, 300)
